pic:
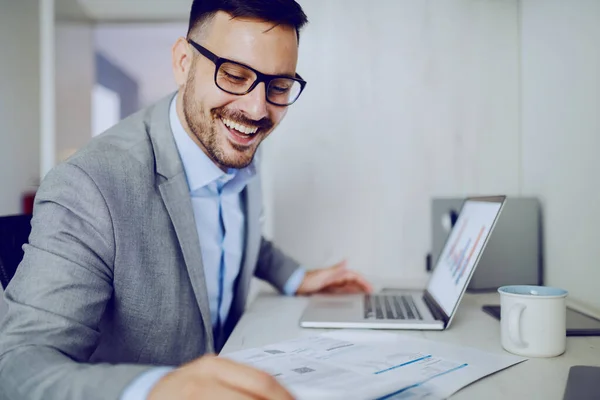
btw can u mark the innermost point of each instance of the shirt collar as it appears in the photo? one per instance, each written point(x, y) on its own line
point(200, 170)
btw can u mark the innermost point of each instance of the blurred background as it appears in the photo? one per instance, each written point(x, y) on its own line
point(406, 100)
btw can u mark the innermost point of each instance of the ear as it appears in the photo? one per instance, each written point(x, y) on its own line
point(181, 59)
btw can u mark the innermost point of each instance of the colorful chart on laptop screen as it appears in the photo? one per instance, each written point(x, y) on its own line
point(461, 251)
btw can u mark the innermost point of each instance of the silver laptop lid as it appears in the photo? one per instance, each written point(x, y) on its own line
point(462, 252)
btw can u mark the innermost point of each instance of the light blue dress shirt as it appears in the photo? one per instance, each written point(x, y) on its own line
point(219, 217)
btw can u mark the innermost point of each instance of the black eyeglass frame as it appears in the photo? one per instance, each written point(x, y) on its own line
point(260, 77)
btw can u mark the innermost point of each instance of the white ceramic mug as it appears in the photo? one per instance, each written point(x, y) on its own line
point(533, 320)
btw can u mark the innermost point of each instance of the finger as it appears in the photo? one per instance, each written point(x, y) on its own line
point(248, 380)
point(351, 288)
point(362, 282)
point(251, 381)
point(224, 392)
point(347, 288)
point(334, 274)
point(352, 277)
point(336, 269)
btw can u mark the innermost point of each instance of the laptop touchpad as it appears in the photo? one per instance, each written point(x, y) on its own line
point(335, 303)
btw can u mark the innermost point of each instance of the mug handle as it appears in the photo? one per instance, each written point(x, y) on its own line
point(514, 324)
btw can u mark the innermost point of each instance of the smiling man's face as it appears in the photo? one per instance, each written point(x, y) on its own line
point(229, 128)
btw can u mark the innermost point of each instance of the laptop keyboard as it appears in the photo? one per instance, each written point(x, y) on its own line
point(388, 306)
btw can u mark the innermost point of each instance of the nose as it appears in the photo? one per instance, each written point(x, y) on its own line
point(255, 103)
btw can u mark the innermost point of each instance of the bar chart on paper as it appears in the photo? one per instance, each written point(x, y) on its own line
point(352, 365)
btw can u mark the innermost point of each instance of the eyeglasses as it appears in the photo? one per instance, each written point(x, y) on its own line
point(239, 79)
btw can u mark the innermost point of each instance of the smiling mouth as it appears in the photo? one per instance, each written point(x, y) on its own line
point(240, 129)
point(241, 136)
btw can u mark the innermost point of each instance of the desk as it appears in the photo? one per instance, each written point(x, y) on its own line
point(272, 318)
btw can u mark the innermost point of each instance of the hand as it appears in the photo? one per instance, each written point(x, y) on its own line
point(210, 377)
point(335, 279)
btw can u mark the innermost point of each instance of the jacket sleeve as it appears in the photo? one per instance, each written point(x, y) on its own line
point(274, 266)
point(58, 296)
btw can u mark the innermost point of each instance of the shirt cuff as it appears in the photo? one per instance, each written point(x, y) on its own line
point(294, 281)
point(140, 387)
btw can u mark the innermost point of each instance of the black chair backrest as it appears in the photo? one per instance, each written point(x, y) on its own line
point(14, 233)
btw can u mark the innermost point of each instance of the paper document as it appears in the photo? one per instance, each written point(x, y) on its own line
point(371, 365)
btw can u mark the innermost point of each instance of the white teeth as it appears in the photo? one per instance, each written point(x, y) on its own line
point(247, 130)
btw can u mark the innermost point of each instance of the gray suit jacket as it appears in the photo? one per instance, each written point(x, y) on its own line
point(112, 280)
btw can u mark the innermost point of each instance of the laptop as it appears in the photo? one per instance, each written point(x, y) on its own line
point(429, 309)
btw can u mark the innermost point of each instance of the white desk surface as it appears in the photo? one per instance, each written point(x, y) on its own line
point(272, 318)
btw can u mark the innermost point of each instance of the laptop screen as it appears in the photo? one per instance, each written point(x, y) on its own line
point(461, 252)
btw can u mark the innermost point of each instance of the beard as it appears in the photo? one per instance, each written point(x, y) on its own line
point(204, 128)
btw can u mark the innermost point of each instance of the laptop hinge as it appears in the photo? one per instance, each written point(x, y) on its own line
point(435, 309)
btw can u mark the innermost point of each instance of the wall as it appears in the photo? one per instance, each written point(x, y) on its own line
point(19, 105)
point(143, 52)
point(112, 77)
point(75, 77)
point(19, 102)
point(404, 101)
point(561, 136)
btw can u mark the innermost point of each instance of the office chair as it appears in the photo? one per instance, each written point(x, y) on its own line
point(14, 233)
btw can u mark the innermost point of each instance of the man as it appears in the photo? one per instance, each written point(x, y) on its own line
point(143, 244)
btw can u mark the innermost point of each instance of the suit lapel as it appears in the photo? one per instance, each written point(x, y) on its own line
point(176, 197)
point(174, 191)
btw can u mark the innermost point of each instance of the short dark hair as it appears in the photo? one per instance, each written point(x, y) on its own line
point(280, 12)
